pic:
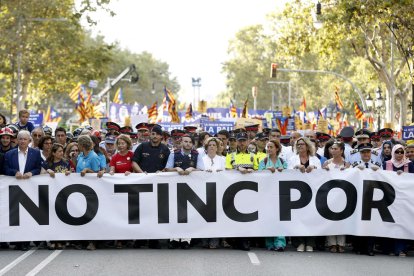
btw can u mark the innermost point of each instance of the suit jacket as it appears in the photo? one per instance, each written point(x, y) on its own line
point(33, 162)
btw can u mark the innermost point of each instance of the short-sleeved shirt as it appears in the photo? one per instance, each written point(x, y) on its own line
point(28, 126)
point(102, 161)
point(90, 161)
point(122, 163)
point(58, 167)
point(151, 158)
point(269, 164)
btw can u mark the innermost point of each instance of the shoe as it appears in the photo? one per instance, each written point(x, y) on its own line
point(59, 246)
point(52, 246)
point(24, 248)
point(332, 249)
point(271, 248)
point(341, 249)
point(213, 247)
point(154, 244)
point(185, 245)
point(245, 245)
point(371, 253)
point(226, 244)
point(309, 248)
point(301, 248)
point(402, 254)
point(118, 245)
point(173, 245)
point(279, 249)
point(91, 246)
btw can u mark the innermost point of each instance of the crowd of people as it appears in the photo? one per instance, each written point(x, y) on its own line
point(26, 151)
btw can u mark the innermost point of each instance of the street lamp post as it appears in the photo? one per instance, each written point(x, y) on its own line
point(376, 105)
point(196, 82)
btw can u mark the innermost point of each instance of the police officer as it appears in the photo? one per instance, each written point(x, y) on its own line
point(363, 137)
point(176, 135)
point(366, 160)
point(322, 138)
point(151, 157)
point(143, 132)
point(232, 142)
point(261, 141)
point(251, 131)
point(347, 136)
point(112, 128)
point(184, 161)
point(386, 134)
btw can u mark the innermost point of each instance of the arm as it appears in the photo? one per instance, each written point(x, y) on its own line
point(136, 168)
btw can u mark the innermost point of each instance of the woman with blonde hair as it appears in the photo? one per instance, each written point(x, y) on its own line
point(305, 161)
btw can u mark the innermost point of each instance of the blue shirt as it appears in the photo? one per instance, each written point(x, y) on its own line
point(90, 161)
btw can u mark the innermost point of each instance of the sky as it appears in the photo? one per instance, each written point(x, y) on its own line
point(191, 36)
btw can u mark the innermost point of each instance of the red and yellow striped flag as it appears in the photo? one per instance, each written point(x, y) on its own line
point(359, 114)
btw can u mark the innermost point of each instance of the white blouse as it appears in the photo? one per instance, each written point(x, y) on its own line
point(217, 163)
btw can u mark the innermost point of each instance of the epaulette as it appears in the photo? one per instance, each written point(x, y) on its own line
point(194, 152)
point(177, 151)
point(374, 152)
point(376, 164)
point(354, 151)
point(355, 164)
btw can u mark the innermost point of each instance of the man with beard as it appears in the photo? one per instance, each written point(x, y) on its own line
point(184, 161)
point(151, 157)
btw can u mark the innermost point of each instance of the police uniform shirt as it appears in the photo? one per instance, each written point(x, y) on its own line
point(355, 156)
point(259, 156)
point(246, 160)
point(367, 165)
point(347, 153)
point(151, 159)
point(170, 162)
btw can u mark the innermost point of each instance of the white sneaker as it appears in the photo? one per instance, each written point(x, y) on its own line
point(301, 248)
point(309, 248)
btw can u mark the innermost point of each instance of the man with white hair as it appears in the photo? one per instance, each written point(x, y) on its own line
point(22, 162)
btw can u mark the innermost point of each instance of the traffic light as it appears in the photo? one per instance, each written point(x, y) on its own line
point(273, 70)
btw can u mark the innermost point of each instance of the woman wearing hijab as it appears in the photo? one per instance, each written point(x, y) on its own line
point(401, 164)
point(386, 151)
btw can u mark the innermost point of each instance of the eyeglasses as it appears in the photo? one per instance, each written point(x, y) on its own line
point(399, 152)
point(300, 144)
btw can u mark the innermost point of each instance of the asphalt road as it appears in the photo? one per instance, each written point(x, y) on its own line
point(198, 261)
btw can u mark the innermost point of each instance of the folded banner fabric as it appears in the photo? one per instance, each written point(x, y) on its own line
point(221, 204)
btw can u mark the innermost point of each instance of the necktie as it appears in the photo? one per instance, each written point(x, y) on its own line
point(366, 165)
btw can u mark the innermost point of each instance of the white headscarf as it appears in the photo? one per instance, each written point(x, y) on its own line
point(404, 161)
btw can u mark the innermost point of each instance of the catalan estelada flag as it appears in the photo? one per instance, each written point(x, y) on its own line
point(338, 101)
point(302, 106)
point(189, 112)
point(153, 113)
point(359, 114)
point(233, 110)
point(74, 94)
point(118, 97)
point(52, 115)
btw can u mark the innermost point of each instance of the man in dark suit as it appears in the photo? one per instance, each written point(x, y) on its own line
point(22, 162)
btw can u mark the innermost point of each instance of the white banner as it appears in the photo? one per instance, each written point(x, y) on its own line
point(224, 204)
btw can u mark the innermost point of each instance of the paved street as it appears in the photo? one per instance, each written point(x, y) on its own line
point(198, 261)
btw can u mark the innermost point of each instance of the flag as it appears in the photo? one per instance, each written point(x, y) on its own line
point(74, 94)
point(153, 113)
point(233, 110)
point(118, 97)
point(371, 122)
point(302, 106)
point(245, 111)
point(52, 115)
point(339, 103)
point(99, 110)
point(345, 120)
point(169, 100)
point(189, 112)
point(84, 105)
point(173, 113)
point(359, 114)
